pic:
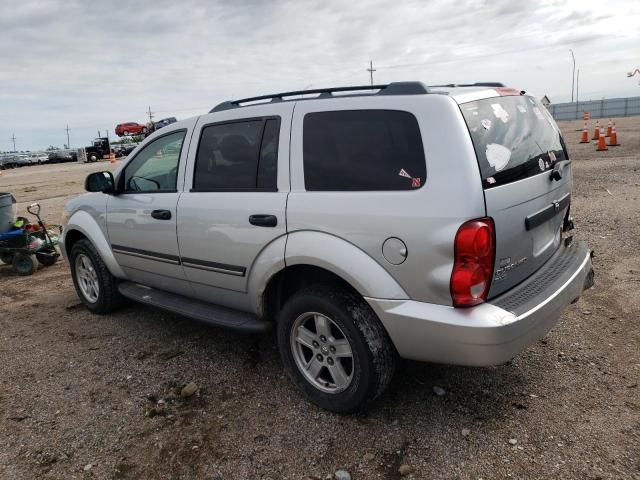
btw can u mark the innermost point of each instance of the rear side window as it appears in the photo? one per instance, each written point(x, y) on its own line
point(362, 150)
point(514, 137)
point(238, 156)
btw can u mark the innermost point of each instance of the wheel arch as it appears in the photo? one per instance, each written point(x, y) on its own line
point(314, 257)
point(83, 225)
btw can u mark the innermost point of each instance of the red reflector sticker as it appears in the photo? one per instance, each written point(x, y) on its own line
point(506, 91)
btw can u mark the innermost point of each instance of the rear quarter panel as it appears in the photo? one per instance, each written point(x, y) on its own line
point(426, 219)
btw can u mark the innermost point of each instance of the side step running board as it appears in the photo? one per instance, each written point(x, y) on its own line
point(196, 309)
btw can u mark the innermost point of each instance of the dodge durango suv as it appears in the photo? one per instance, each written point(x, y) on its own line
point(364, 224)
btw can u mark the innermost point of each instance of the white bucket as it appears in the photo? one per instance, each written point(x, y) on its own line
point(8, 211)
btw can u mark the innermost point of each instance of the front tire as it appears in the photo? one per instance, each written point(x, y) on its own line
point(94, 284)
point(334, 348)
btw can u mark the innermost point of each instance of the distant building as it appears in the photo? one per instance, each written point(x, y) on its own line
point(545, 101)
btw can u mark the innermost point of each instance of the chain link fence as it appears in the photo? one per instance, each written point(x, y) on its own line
point(609, 107)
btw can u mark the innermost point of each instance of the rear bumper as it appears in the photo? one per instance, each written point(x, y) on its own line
point(494, 332)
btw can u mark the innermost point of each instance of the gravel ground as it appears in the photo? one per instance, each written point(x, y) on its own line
point(83, 396)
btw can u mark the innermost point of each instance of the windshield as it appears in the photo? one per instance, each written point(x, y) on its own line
point(514, 136)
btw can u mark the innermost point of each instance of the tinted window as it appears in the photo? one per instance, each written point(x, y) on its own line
point(237, 156)
point(514, 136)
point(155, 167)
point(268, 167)
point(362, 150)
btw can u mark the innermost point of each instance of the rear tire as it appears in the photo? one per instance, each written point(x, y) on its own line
point(24, 264)
point(94, 284)
point(355, 342)
point(6, 258)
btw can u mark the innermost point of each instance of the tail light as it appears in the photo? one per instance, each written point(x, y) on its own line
point(474, 255)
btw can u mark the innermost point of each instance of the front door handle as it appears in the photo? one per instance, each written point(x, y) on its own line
point(161, 214)
point(263, 220)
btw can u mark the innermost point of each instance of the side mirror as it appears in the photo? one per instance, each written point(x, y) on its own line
point(100, 182)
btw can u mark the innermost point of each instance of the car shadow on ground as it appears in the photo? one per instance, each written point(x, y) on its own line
point(480, 392)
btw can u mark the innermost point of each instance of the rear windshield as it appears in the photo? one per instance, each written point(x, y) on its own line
point(514, 136)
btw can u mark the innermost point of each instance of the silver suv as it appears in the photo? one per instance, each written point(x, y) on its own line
point(363, 223)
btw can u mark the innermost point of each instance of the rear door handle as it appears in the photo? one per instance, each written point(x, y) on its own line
point(161, 214)
point(263, 220)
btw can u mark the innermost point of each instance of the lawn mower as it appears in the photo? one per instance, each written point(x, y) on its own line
point(27, 244)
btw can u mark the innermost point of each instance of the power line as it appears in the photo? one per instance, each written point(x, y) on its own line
point(68, 142)
point(13, 137)
point(150, 115)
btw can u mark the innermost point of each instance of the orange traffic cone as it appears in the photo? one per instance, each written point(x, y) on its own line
point(601, 143)
point(608, 129)
point(596, 132)
point(585, 134)
point(613, 139)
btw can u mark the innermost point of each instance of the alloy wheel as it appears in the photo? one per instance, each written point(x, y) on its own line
point(322, 352)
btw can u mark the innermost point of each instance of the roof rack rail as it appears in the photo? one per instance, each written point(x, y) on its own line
point(489, 84)
point(394, 88)
point(477, 84)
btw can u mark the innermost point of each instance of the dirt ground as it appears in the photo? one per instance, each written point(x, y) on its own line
point(84, 396)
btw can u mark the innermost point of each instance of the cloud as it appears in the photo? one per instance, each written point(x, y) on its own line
point(93, 66)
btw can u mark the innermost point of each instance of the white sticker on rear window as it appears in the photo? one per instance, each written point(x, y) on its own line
point(538, 113)
point(498, 156)
point(522, 109)
point(500, 112)
point(486, 123)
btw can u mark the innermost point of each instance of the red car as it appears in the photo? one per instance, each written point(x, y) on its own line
point(130, 128)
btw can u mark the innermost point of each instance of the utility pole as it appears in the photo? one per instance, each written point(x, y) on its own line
point(13, 137)
point(150, 113)
point(577, 92)
point(68, 143)
point(371, 70)
point(573, 74)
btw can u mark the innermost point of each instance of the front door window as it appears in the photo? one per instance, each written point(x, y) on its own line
point(155, 168)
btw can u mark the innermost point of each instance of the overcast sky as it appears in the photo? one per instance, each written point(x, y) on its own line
point(93, 65)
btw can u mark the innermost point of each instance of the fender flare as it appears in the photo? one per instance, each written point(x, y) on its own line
point(84, 223)
point(268, 263)
point(344, 259)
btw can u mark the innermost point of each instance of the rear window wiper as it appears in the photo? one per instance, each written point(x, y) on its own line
point(556, 173)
